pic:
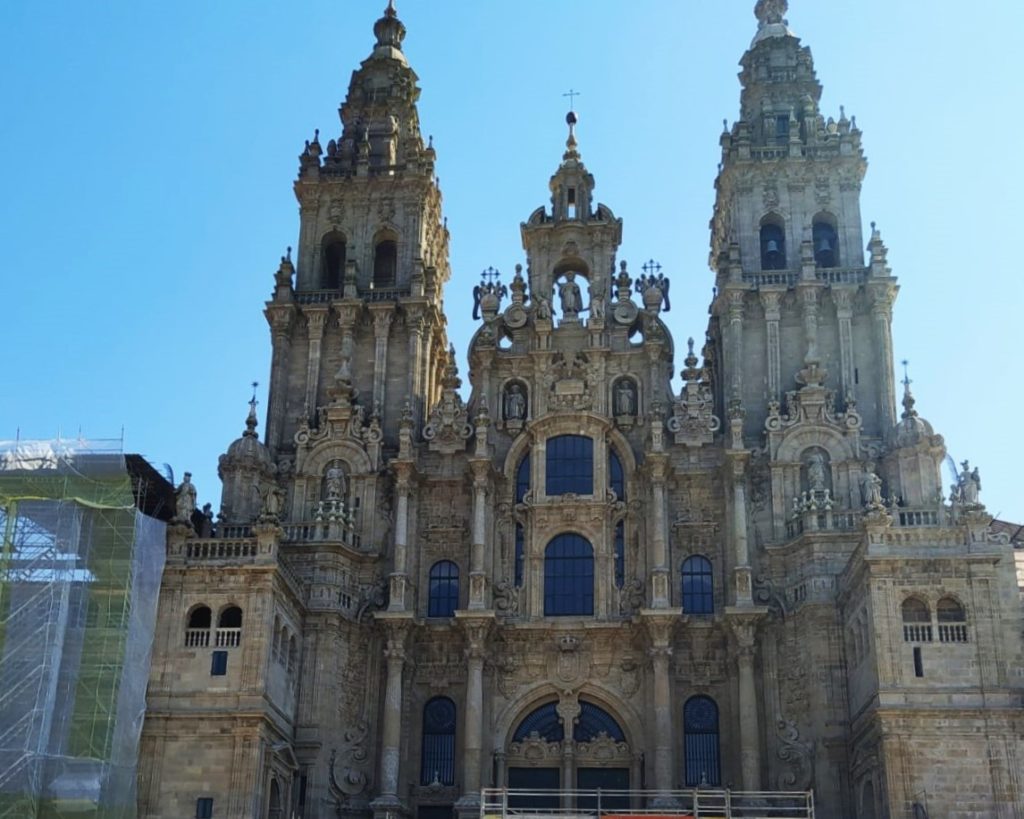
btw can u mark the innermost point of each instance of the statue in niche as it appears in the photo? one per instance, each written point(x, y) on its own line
point(569, 292)
point(625, 398)
point(334, 483)
point(817, 472)
point(515, 403)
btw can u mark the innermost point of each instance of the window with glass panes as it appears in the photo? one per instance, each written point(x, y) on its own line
point(568, 576)
point(570, 465)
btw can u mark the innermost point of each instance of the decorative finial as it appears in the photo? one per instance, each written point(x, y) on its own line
point(287, 258)
point(390, 11)
point(251, 420)
point(906, 373)
point(771, 12)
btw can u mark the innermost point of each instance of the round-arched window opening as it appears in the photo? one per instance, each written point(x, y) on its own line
point(826, 243)
point(773, 246)
point(385, 263)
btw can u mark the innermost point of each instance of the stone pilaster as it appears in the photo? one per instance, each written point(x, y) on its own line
point(882, 299)
point(658, 555)
point(743, 622)
point(844, 315)
point(280, 318)
point(475, 628)
point(737, 299)
point(741, 549)
point(659, 629)
point(316, 319)
point(771, 301)
point(396, 632)
point(382, 319)
point(478, 545)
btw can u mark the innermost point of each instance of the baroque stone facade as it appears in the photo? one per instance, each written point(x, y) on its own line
point(581, 577)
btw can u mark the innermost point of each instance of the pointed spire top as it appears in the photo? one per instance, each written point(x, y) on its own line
point(570, 144)
point(908, 396)
point(251, 420)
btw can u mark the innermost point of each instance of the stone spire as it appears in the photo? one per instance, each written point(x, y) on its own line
point(771, 20)
point(390, 32)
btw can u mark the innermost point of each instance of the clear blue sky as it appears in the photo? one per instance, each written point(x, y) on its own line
point(148, 152)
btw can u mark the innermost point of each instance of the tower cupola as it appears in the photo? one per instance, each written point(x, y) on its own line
point(572, 185)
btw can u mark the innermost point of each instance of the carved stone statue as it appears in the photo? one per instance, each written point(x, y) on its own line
point(969, 484)
point(871, 489)
point(273, 503)
point(543, 308)
point(569, 293)
point(817, 472)
point(186, 499)
point(515, 403)
point(334, 483)
point(625, 398)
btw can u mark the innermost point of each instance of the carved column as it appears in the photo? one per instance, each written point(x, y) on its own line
point(399, 577)
point(316, 318)
point(744, 628)
point(659, 538)
point(741, 549)
point(414, 323)
point(280, 333)
point(568, 709)
point(382, 318)
point(737, 299)
point(475, 629)
point(844, 314)
point(771, 301)
point(391, 730)
point(882, 299)
point(809, 303)
point(659, 628)
point(477, 572)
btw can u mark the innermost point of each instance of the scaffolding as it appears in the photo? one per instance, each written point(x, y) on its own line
point(80, 569)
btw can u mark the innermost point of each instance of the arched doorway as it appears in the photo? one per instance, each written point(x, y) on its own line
point(543, 757)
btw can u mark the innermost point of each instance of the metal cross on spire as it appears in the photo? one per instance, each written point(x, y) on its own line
point(906, 373)
point(651, 268)
point(571, 94)
point(252, 401)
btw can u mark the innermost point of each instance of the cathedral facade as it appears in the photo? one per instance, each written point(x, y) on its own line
point(580, 577)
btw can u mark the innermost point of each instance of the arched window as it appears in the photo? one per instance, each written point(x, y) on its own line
point(616, 475)
point(917, 621)
point(773, 246)
point(700, 742)
point(826, 242)
point(444, 589)
point(332, 261)
point(437, 762)
point(229, 628)
point(523, 478)
point(544, 721)
point(385, 263)
point(293, 654)
point(197, 631)
point(952, 621)
point(520, 554)
point(568, 576)
point(620, 554)
point(570, 465)
point(594, 721)
point(274, 803)
point(698, 586)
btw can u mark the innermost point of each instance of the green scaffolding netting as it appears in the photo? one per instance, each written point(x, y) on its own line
point(80, 570)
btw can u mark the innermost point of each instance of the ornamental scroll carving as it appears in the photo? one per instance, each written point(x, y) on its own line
point(349, 764)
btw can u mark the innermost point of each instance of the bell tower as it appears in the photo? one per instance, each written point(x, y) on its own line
point(796, 305)
point(356, 320)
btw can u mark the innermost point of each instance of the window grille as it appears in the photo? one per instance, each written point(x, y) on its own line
point(438, 757)
point(570, 465)
point(594, 721)
point(620, 554)
point(544, 721)
point(698, 586)
point(568, 576)
point(520, 554)
point(701, 742)
point(444, 589)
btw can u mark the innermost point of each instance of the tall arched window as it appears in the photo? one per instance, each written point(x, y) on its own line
point(197, 631)
point(523, 478)
point(616, 475)
point(952, 621)
point(229, 628)
point(385, 263)
point(568, 576)
point(700, 742)
point(444, 589)
point(570, 465)
point(698, 586)
point(826, 242)
point(620, 554)
point(332, 261)
point(437, 762)
point(917, 621)
point(773, 246)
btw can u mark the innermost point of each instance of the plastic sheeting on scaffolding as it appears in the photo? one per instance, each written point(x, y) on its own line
point(80, 569)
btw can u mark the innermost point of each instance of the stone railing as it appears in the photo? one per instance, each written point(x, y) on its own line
point(917, 632)
point(952, 632)
point(221, 549)
point(786, 278)
point(917, 517)
point(822, 521)
point(842, 275)
point(320, 530)
point(197, 637)
point(365, 294)
point(228, 637)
